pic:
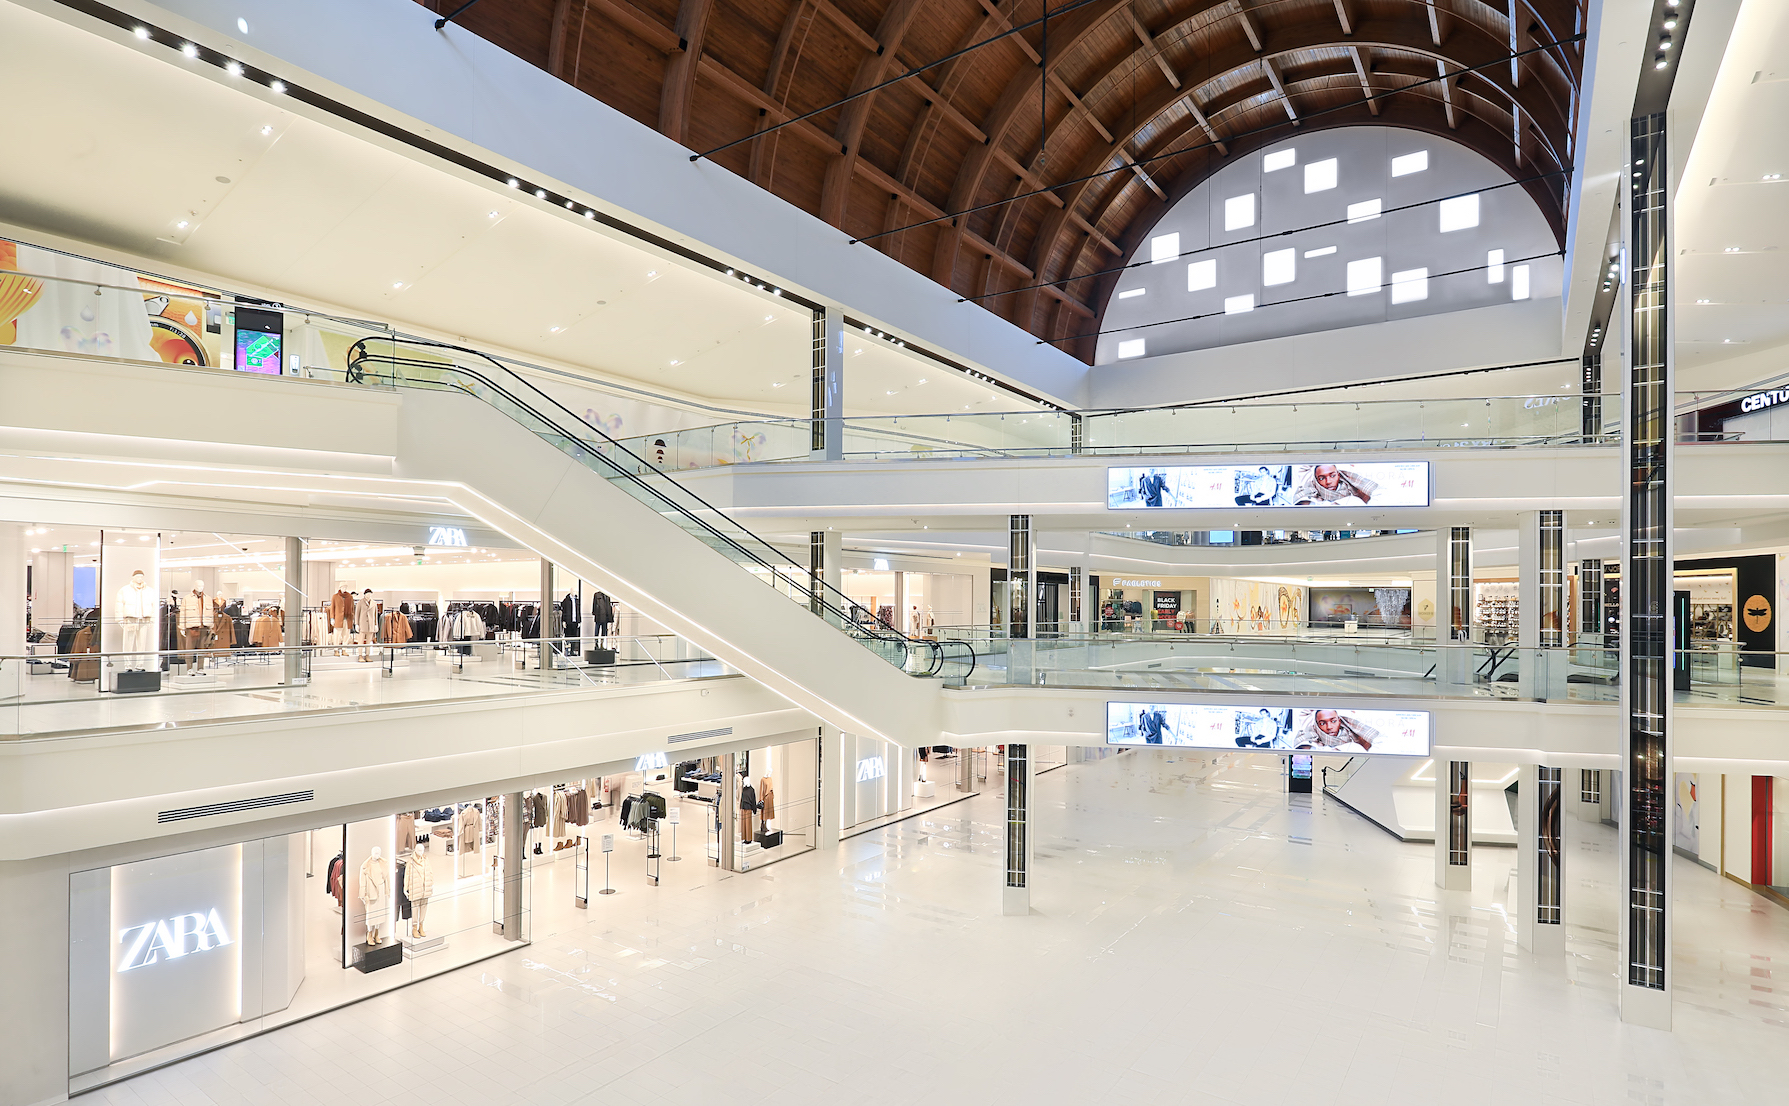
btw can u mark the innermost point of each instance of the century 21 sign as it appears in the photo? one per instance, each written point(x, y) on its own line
point(171, 938)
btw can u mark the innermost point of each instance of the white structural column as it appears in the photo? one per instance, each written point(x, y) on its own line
point(1453, 600)
point(514, 839)
point(1540, 841)
point(1015, 894)
point(549, 621)
point(292, 634)
point(826, 578)
point(1021, 580)
point(1540, 599)
point(833, 786)
point(1077, 613)
point(12, 611)
point(1453, 825)
point(827, 385)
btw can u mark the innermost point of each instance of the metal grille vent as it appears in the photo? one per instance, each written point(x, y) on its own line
point(235, 805)
point(700, 735)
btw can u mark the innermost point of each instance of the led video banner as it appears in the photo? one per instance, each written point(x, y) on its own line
point(1335, 483)
point(1404, 733)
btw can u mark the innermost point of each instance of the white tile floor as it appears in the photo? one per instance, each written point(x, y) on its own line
point(1197, 936)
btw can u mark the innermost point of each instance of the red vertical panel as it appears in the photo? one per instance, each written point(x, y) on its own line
point(1762, 801)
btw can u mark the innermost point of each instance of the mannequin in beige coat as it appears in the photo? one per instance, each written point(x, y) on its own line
point(419, 884)
point(375, 894)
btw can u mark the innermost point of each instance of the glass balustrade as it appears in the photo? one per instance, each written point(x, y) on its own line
point(46, 694)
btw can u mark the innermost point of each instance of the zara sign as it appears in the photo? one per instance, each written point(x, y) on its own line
point(871, 768)
point(171, 938)
point(447, 535)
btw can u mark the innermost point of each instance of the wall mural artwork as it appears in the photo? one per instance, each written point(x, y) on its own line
point(1251, 607)
point(52, 301)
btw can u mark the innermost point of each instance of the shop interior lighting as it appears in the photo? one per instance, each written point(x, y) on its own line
point(190, 50)
point(141, 32)
point(233, 68)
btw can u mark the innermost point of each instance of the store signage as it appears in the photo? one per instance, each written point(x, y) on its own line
point(1758, 401)
point(649, 762)
point(1535, 403)
point(1167, 601)
point(871, 768)
point(1333, 482)
point(1270, 728)
point(171, 938)
point(447, 535)
point(1123, 583)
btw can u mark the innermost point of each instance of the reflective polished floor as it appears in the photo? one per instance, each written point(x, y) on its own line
point(1196, 936)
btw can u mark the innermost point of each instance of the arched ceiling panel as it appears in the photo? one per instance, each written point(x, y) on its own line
point(1019, 169)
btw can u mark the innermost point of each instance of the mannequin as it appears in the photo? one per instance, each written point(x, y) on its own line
point(366, 621)
point(135, 610)
point(195, 625)
point(419, 884)
point(602, 616)
point(341, 617)
point(375, 888)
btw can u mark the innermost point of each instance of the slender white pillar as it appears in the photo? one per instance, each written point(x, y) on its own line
point(1453, 825)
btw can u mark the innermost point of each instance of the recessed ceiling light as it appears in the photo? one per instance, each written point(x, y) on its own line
point(398, 284)
point(190, 50)
point(234, 68)
point(1773, 176)
point(1704, 301)
point(142, 32)
point(555, 330)
point(540, 193)
point(1731, 249)
point(182, 224)
point(589, 214)
point(491, 214)
point(267, 130)
point(652, 274)
point(673, 362)
point(277, 86)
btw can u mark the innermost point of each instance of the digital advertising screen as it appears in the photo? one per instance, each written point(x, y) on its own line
point(1401, 733)
point(1375, 608)
point(258, 343)
point(1338, 483)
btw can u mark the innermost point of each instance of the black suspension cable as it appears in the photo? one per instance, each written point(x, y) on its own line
point(908, 75)
point(1259, 238)
point(1263, 129)
point(446, 19)
point(1282, 303)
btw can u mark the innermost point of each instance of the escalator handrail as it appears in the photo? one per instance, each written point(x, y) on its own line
point(358, 353)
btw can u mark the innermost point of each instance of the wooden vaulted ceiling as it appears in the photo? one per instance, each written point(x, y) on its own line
point(1139, 102)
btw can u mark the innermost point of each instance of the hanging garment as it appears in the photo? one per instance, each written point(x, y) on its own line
point(403, 895)
point(406, 838)
point(468, 836)
point(332, 883)
point(559, 798)
point(766, 799)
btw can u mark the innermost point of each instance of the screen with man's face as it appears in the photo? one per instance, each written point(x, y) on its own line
point(1270, 729)
point(1336, 483)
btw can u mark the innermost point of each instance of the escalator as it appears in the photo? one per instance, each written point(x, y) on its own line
point(547, 477)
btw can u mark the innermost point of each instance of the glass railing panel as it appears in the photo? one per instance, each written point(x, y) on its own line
point(45, 694)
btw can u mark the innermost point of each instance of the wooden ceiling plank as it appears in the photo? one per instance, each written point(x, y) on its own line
point(1248, 24)
point(639, 24)
point(1192, 105)
point(1343, 17)
point(738, 86)
point(1447, 94)
point(846, 24)
point(556, 38)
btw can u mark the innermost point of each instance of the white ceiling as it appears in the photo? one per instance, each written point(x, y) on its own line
point(121, 146)
point(1733, 211)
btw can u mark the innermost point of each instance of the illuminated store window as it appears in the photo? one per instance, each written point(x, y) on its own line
point(1201, 275)
point(1409, 285)
point(1164, 248)
point(1279, 267)
point(1494, 267)
point(1458, 213)
point(1130, 347)
point(1320, 176)
point(1239, 212)
point(1279, 159)
point(1364, 210)
point(1405, 164)
point(1236, 305)
point(1365, 276)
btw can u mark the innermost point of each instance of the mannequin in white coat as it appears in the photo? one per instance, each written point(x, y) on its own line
point(375, 894)
point(419, 885)
point(136, 618)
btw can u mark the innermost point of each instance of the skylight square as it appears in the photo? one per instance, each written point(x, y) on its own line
point(1130, 347)
point(1320, 251)
point(1131, 293)
point(1164, 248)
point(1518, 282)
point(1279, 159)
point(1279, 267)
point(1409, 285)
point(1237, 305)
point(1494, 267)
point(1459, 213)
point(1201, 275)
point(1405, 164)
point(1320, 176)
point(1239, 212)
point(1364, 210)
point(1365, 276)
